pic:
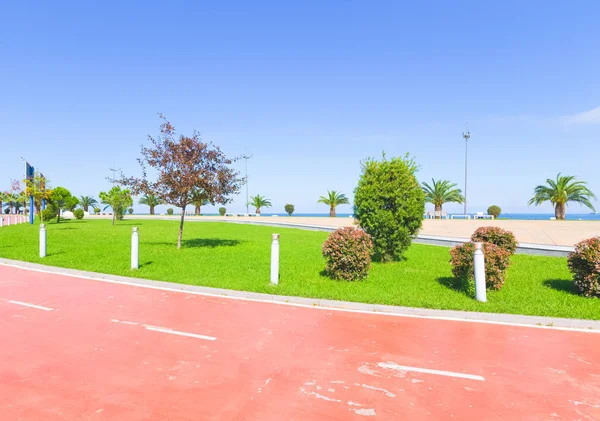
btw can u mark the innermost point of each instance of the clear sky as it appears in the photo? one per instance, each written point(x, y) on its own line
point(310, 88)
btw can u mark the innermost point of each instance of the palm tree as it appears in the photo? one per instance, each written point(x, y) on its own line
point(440, 192)
point(198, 203)
point(86, 202)
point(333, 199)
point(151, 201)
point(560, 192)
point(258, 202)
point(2, 199)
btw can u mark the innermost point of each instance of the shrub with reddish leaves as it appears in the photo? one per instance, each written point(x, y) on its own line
point(347, 252)
point(497, 236)
point(584, 263)
point(497, 260)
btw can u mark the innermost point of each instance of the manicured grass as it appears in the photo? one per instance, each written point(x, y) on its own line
point(237, 257)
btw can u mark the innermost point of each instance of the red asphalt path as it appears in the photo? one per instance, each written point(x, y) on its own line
point(104, 352)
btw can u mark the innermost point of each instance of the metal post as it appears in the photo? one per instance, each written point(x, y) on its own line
point(467, 136)
point(275, 259)
point(42, 240)
point(31, 205)
point(479, 264)
point(43, 204)
point(135, 246)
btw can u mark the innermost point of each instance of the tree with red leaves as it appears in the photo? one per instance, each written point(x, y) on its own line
point(186, 167)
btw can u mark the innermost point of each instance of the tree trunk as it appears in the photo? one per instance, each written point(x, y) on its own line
point(151, 210)
point(113, 220)
point(258, 211)
point(560, 211)
point(438, 208)
point(181, 227)
point(197, 210)
point(85, 208)
point(58, 217)
point(332, 212)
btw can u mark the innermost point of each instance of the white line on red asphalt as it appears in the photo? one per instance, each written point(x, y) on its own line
point(21, 303)
point(165, 330)
point(394, 366)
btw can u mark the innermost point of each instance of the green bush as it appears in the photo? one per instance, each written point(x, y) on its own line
point(49, 214)
point(96, 211)
point(347, 253)
point(170, 211)
point(222, 211)
point(584, 264)
point(497, 236)
point(494, 210)
point(497, 261)
point(389, 205)
point(289, 209)
point(78, 213)
point(130, 211)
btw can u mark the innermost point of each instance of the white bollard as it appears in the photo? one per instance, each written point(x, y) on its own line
point(135, 247)
point(8, 224)
point(479, 264)
point(1, 219)
point(275, 259)
point(42, 240)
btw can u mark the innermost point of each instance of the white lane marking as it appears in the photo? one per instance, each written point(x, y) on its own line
point(21, 303)
point(165, 330)
point(385, 392)
point(274, 301)
point(394, 366)
point(176, 332)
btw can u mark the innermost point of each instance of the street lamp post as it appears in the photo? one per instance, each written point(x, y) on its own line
point(466, 135)
point(246, 157)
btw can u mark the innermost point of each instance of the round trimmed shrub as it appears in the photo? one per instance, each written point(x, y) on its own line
point(222, 211)
point(494, 210)
point(49, 213)
point(130, 211)
point(289, 208)
point(347, 253)
point(97, 211)
point(78, 213)
point(389, 205)
point(497, 236)
point(584, 264)
point(170, 211)
point(497, 261)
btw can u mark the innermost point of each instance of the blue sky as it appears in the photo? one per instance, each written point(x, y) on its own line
point(309, 88)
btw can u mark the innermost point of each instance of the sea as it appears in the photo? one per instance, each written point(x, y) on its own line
point(521, 216)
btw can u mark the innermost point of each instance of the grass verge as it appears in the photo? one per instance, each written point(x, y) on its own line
point(237, 257)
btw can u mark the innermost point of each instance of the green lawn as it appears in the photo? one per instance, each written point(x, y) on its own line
point(237, 257)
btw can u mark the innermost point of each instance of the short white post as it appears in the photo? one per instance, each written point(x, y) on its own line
point(275, 259)
point(1, 219)
point(42, 240)
point(135, 247)
point(479, 263)
point(8, 224)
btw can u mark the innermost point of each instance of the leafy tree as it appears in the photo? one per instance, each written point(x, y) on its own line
point(185, 165)
point(72, 204)
point(258, 202)
point(86, 202)
point(494, 210)
point(150, 200)
point(333, 199)
point(389, 205)
point(39, 188)
point(118, 200)
point(60, 199)
point(560, 192)
point(289, 208)
point(440, 192)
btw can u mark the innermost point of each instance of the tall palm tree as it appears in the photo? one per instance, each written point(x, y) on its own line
point(2, 199)
point(560, 192)
point(440, 192)
point(198, 203)
point(258, 202)
point(151, 201)
point(333, 199)
point(86, 202)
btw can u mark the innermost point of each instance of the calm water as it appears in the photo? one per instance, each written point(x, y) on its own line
point(522, 216)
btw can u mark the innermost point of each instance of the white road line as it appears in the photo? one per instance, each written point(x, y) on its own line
point(165, 330)
point(284, 303)
point(176, 332)
point(21, 303)
point(393, 366)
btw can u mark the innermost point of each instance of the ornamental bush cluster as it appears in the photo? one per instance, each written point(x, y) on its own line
point(78, 213)
point(584, 264)
point(494, 210)
point(222, 211)
point(497, 236)
point(498, 246)
point(347, 253)
point(497, 260)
